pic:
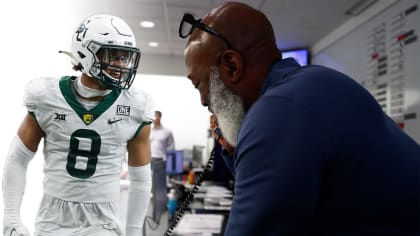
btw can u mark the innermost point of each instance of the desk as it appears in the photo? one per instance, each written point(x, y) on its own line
point(200, 224)
point(209, 211)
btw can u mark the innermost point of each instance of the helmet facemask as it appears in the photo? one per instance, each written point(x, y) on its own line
point(114, 66)
point(104, 47)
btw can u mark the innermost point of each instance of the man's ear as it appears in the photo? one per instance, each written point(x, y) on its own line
point(231, 65)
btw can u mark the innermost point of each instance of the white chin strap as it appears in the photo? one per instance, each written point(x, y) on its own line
point(87, 92)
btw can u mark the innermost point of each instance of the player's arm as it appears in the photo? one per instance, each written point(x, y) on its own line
point(171, 142)
point(30, 133)
point(140, 175)
point(21, 151)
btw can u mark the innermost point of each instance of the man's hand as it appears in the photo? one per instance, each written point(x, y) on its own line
point(14, 228)
point(226, 145)
point(217, 134)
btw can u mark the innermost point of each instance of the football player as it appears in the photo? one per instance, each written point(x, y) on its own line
point(88, 124)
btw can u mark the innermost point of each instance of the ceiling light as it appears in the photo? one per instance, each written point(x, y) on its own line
point(147, 24)
point(153, 44)
point(360, 7)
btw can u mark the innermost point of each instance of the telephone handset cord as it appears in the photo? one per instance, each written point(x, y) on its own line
point(190, 194)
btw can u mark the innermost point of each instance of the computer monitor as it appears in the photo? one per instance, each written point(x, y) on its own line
point(300, 55)
point(175, 162)
point(197, 156)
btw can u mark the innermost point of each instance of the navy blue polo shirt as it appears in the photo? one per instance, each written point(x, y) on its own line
point(316, 155)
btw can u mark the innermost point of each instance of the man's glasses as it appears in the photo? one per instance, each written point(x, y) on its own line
point(188, 24)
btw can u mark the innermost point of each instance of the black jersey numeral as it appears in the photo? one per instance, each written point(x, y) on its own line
point(78, 137)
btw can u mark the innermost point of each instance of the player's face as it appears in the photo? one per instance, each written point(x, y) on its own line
point(116, 63)
point(113, 59)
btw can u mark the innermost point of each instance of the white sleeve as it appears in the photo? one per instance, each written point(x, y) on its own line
point(33, 91)
point(14, 182)
point(149, 109)
point(171, 142)
point(139, 194)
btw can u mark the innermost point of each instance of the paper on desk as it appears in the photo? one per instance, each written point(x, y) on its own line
point(199, 224)
point(218, 195)
point(217, 189)
point(220, 208)
point(214, 192)
point(218, 192)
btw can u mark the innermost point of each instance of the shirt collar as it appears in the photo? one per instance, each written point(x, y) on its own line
point(279, 71)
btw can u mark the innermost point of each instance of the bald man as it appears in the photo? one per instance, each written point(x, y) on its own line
point(314, 152)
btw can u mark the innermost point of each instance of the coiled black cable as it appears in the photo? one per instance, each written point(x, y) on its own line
point(190, 194)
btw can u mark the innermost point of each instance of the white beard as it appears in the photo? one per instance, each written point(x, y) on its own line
point(228, 107)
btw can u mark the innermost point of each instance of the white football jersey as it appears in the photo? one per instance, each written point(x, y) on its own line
point(84, 149)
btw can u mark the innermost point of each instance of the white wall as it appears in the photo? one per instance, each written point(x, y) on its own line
point(29, 44)
point(27, 53)
point(181, 109)
point(349, 50)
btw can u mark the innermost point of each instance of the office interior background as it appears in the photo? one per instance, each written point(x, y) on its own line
point(375, 42)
